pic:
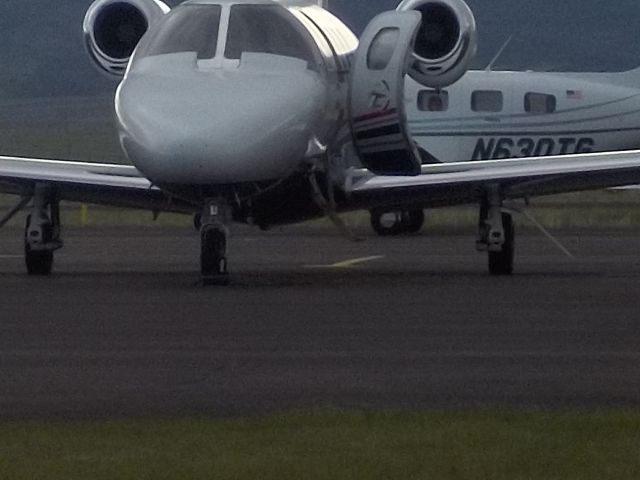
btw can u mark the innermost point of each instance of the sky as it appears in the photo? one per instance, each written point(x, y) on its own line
point(42, 52)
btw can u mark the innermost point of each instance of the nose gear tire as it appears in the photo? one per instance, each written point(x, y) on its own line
point(213, 260)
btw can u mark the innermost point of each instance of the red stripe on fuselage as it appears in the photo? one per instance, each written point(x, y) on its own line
point(373, 115)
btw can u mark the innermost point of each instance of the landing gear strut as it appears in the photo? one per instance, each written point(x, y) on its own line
point(42, 231)
point(213, 247)
point(390, 223)
point(496, 235)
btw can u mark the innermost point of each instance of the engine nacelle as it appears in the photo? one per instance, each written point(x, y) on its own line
point(446, 42)
point(113, 28)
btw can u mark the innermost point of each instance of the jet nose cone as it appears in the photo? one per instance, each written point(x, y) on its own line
point(218, 127)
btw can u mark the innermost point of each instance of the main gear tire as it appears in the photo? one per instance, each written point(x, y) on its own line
point(501, 262)
point(38, 262)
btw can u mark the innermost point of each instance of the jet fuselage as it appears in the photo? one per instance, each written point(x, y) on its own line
point(224, 95)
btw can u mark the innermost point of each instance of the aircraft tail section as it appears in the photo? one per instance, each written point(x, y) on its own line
point(629, 78)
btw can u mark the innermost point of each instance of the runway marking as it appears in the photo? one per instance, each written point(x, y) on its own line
point(348, 263)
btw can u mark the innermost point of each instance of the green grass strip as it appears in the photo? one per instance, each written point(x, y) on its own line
point(332, 445)
point(599, 210)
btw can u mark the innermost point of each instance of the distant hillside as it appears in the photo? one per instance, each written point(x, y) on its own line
point(41, 52)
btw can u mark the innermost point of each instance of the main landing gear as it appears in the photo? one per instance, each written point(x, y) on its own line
point(42, 231)
point(213, 247)
point(496, 235)
point(390, 223)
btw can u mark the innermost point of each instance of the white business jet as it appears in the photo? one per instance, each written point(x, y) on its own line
point(270, 113)
point(493, 115)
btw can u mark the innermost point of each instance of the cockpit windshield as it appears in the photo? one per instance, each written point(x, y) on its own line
point(189, 28)
point(267, 29)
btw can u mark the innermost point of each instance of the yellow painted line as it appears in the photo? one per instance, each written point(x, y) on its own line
point(348, 263)
point(84, 215)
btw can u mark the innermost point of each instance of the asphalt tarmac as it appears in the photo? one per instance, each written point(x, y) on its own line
point(122, 329)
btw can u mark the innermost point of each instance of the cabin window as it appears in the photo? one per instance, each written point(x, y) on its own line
point(539, 103)
point(487, 101)
point(433, 101)
point(190, 28)
point(267, 29)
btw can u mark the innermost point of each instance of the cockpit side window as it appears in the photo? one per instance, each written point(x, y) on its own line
point(267, 29)
point(190, 28)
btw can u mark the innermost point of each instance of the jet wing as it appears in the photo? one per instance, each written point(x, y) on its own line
point(98, 183)
point(467, 182)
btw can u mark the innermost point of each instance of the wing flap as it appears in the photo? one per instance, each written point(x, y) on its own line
point(58, 171)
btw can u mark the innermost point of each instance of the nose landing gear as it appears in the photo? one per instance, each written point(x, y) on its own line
point(213, 243)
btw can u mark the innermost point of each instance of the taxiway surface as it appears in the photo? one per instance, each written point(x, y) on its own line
point(312, 320)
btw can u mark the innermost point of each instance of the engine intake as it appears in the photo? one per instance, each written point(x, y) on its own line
point(113, 28)
point(446, 41)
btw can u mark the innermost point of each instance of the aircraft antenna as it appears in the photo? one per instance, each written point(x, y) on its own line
point(540, 227)
point(502, 49)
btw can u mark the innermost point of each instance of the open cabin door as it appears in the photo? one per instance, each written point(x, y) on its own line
point(377, 111)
